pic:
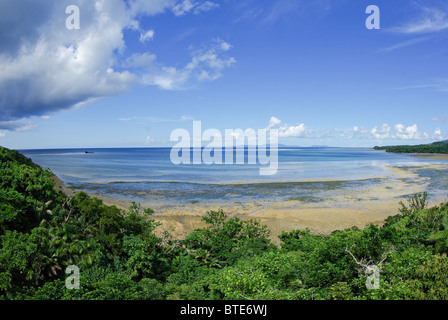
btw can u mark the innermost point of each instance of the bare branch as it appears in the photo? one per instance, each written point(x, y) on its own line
point(369, 263)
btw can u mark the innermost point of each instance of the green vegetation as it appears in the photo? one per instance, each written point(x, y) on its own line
point(119, 256)
point(435, 147)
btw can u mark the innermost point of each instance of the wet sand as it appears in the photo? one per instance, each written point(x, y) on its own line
point(342, 209)
point(338, 210)
point(439, 156)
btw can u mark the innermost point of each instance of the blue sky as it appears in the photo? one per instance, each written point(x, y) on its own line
point(136, 70)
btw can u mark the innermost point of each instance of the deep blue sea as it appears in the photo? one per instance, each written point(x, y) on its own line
point(148, 173)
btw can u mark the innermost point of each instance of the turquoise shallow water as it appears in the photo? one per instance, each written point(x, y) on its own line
point(142, 174)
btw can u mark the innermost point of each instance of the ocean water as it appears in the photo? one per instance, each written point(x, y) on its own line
point(143, 174)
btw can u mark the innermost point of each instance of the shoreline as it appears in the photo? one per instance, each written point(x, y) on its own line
point(338, 209)
point(437, 156)
point(246, 183)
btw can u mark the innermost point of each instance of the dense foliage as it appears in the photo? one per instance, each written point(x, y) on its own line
point(435, 147)
point(43, 231)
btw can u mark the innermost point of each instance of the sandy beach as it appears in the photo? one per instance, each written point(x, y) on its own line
point(340, 209)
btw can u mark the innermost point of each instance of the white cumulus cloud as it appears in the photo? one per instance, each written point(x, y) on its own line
point(382, 133)
point(206, 64)
point(286, 130)
point(437, 135)
point(46, 68)
point(147, 35)
point(407, 133)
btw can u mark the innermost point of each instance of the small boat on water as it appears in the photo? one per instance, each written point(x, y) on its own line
point(89, 152)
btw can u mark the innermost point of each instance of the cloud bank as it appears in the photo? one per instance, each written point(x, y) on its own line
point(399, 132)
point(402, 132)
point(46, 68)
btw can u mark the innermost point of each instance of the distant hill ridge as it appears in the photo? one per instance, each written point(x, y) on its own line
point(435, 147)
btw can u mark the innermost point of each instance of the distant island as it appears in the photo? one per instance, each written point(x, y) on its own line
point(435, 147)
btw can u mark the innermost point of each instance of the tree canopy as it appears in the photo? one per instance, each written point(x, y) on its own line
point(435, 147)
